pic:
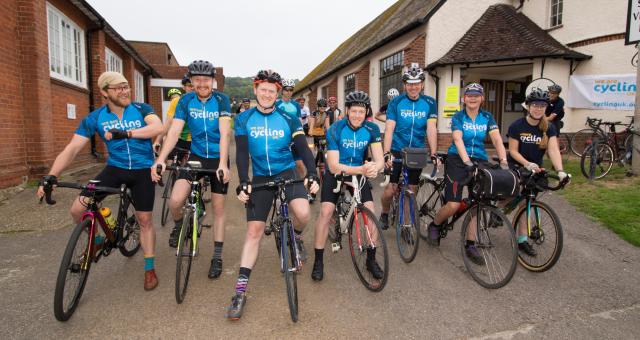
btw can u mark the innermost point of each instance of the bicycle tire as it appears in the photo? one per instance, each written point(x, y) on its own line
point(407, 229)
point(63, 311)
point(494, 273)
point(581, 139)
point(430, 201)
point(359, 252)
point(289, 264)
point(129, 244)
point(598, 166)
point(334, 221)
point(540, 237)
point(184, 256)
point(166, 196)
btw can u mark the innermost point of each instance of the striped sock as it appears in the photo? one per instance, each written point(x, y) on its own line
point(149, 262)
point(217, 250)
point(243, 280)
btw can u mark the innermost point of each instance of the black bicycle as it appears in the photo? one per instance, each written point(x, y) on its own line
point(179, 157)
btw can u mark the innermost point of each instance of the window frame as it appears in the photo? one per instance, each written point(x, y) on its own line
point(349, 83)
point(555, 17)
point(112, 61)
point(66, 44)
point(390, 77)
point(138, 79)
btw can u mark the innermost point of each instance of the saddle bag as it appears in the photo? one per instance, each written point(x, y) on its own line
point(415, 158)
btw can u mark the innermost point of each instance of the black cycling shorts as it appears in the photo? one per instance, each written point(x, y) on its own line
point(454, 174)
point(329, 183)
point(182, 144)
point(138, 181)
point(261, 201)
point(414, 174)
point(217, 186)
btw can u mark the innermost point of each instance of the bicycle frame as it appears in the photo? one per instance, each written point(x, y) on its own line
point(356, 202)
point(280, 217)
point(401, 186)
point(193, 204)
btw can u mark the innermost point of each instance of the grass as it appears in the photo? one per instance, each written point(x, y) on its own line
point(612, 201)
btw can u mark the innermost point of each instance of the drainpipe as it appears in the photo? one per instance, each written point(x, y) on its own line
point(92, 104)
point(520, 6)
point(436, 79)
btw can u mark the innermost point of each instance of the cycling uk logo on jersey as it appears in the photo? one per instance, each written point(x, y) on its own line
point(474, 127)
point(350, 144)
point(261, 131)
point(198, 113)
point(121, 125)
point(529, 138)
point(413, 114)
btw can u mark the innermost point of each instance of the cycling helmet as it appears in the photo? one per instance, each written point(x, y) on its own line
point(201, 68)
point(174, 91)
point(555, 88)
point(357, 98)
point(288, 83)
point(268, 76)
point(414, 74)
point(246, 100)
point(392, 93)
point(474, 88)
point(185, 79)
point(322, 102)
point(537, 95)
point(301, 99)
point(333, 99)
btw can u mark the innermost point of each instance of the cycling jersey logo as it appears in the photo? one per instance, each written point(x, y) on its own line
point(474, 127)
point(261, 131)
point(124, 125)
point(529, 138)
point(197, 113)
point(412, 113)
point(350, 143)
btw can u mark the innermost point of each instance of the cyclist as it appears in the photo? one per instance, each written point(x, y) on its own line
point(126, 128)
point(185, 136)
point(245, 105)
point(265, 133)
point(382, 114)
point(555, 109)
point(293, 109)
point(305, 114)
point(470, 126)
point(334, 112)
point(348, 141)
point(207, 114)
point(411, 118)
point(529, 138)
point(319, 122)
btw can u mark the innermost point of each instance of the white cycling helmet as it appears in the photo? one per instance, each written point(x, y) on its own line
point(288, 83)
point(392, 93)
point(414, 74)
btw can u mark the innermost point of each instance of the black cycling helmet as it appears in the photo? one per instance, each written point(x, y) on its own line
point(555, 88)
point(537, 95)
point(268, 76)
point(357, 98)
point(246, 100)
point(201, 68)
point(185, 79)
point(322, 102)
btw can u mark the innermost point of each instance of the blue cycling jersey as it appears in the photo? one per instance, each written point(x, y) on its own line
point(473, 132)
point(269, 138)
point(352, 143)
point(291, 107)
point(411, 120)
point(203, 120)
point(130, 153)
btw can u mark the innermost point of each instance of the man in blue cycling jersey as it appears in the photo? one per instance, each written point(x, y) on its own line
point(411, 118)
point(286, 104)
point(265, 133)
point(207, 114)
point(127, 129)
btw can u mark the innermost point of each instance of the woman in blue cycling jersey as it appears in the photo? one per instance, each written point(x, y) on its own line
point(469, 127)
point(347, 141)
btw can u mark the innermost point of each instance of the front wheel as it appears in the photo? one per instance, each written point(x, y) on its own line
point(166, 195)
point(542, 227)
point(289, 261)
point(491, 258)
point(429, 202)
point(368, 249)
point(596, 161)
point(73, 272)
point(184, 256)
point(407, 226)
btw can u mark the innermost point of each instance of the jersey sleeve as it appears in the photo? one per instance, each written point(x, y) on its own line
point(491, 123)
point(145, 109)
point(513, 130)
point(375, 134)
point(433, 109)
point(392, 109)
point(88, 126)
point(456, 122)
point(551, 131)
point(298, 109)
point(294, 125)
point(240, 124)
point(224, 105)
point(171, 110)
point(182, 107)
point(332, 138)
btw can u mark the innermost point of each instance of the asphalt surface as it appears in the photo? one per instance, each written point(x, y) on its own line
point(592, 292)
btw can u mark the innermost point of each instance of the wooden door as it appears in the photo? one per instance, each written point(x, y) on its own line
point(493, 99)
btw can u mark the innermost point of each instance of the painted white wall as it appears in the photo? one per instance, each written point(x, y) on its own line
point(354, 67)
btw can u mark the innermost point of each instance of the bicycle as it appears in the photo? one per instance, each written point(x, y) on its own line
point(281, 225)
point(321, 145)
point(583, 138)
point(598, 157)
point(353, 218)
point(191, 229)
point(85, 247)
point(543, 225)
point(406, 219)
point(180, 157)
point(494, 235)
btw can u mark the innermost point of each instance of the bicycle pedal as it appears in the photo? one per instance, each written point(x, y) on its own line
point(335, 247)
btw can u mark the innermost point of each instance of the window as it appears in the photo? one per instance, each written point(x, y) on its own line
point(390, 75)
point(139, 84)
point(324, 92)
point(66, 48)
point(349, 84)
point(114, 63)
point(556, 13)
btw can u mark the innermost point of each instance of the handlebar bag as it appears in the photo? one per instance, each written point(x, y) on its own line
point(497, 184)
point(415, 158)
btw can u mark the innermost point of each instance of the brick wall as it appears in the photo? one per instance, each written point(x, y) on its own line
point(313, 98)
point(155, 53)
point(362, 78)
point(414, 52)
point(155, 100)
point(332, 89)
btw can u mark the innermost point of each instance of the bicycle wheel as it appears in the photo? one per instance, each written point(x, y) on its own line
point(166, 195)
point(596, 163)
point(289, 265)
point(407, 226)
point(563, 143)
point(368, 246)
point(496, 243)
point(184, 256)
point(129, 244)
point(583, 138)
point(429, 202)
point(545, 236)
point(71, 276)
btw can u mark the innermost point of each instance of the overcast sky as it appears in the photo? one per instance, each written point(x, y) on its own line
point(243, 36)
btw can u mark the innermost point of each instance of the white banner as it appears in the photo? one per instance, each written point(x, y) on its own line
point(603, 92)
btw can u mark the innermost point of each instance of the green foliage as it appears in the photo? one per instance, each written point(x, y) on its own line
point(238, 87)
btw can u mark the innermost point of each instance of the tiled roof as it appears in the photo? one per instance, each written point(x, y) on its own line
point(401, 17)
point(501, 34)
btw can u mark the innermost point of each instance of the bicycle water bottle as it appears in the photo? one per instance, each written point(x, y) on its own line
point(106, 213)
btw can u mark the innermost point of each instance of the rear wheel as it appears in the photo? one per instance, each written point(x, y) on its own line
point(583, 138)
point(544, 232)
point(73, 272)
point(596, 161)
point(368, 246)
point(429, 202)
point(130, 242)
point(407, 226)
point(184, 256)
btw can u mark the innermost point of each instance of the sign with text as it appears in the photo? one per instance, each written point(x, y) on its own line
point(603, 92)
point(632, 35)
